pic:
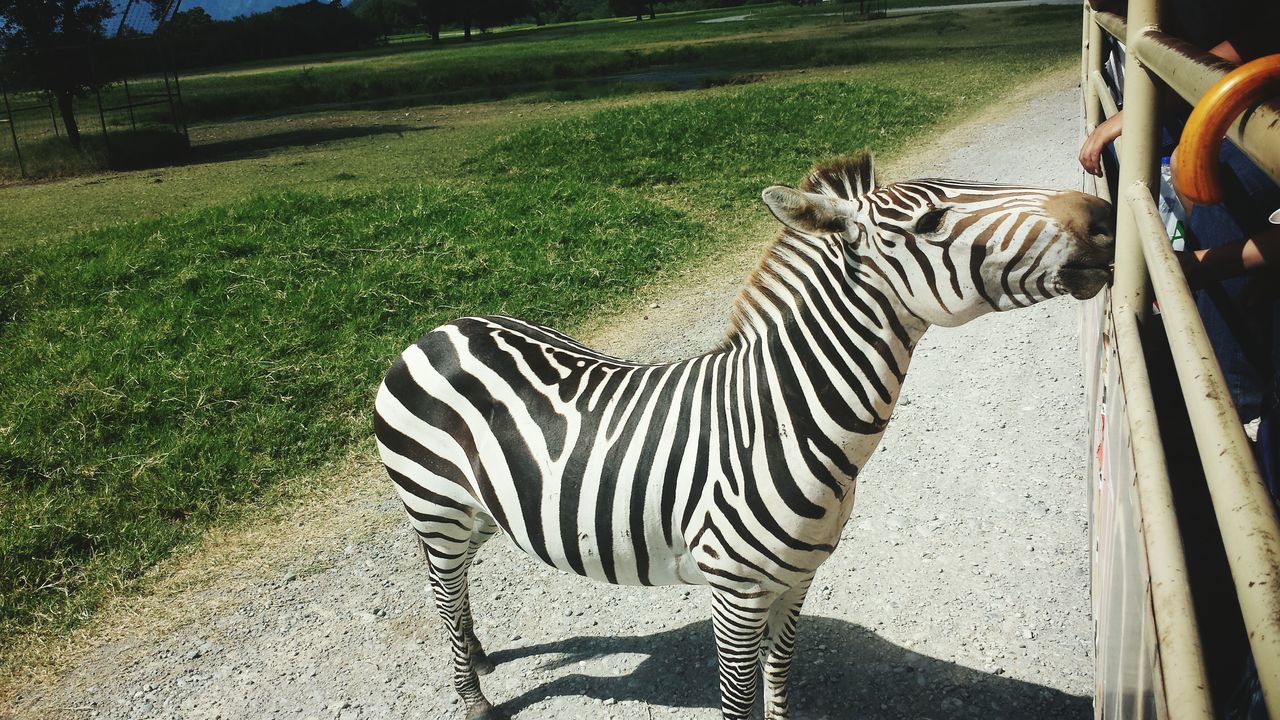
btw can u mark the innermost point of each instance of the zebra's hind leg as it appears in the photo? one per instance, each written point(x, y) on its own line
point(777, 651)
point(739, 624)
point(485, 528)
point(448, 560)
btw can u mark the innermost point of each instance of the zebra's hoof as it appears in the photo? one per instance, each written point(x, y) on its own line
point(481, 663)
point(485, 711)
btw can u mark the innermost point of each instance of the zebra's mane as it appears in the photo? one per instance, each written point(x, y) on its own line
point(844, 177)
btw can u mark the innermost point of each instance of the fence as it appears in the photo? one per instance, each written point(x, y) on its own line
point(133, 118)
point(1156, 391)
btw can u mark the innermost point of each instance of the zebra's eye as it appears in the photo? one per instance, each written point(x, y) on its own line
point(930, 221)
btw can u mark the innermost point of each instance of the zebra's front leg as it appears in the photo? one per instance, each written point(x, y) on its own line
point(777, 651)
point(739, 624)
point(447, 563)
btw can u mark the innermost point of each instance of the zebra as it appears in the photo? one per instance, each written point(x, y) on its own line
point(736, 468)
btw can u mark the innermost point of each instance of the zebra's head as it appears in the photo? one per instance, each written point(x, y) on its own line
point(953, 250)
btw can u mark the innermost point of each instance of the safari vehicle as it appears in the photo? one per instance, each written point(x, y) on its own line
point(1186, 545)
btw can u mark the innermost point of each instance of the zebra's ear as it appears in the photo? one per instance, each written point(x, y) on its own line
point(809, 213)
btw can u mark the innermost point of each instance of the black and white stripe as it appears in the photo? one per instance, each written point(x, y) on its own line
point(734, 469)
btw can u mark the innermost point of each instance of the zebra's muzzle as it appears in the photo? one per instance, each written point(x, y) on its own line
point(1083, 281)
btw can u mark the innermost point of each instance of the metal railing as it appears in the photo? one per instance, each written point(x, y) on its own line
point(1145, 261)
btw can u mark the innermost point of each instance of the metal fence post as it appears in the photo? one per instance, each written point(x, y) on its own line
point(1139, 159)
point(13, 131)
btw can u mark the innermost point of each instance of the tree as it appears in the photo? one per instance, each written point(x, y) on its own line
point(189, 23)
point(543, 9)
point(633, 7)
point(387, 16)
point(46, 42)
point(433, 16)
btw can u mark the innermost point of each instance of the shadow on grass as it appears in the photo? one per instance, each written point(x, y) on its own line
point(841, 670)
point(257, 145)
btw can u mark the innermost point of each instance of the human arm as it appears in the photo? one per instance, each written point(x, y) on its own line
point(1103, 135)
point(1260, 251)
point(1111, 128)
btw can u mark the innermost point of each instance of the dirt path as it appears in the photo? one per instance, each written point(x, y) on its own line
point(960, 590)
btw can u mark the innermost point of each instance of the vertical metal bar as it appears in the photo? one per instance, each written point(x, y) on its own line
point(180, 112)
point(128, 101)
point(1247, 519)
point(97, 94)
point(168, 95)
point(13, 131)
point(123, 16)
point(1084, 42)
point(1181, 657)
point(1095, 56)
point(1138, 158)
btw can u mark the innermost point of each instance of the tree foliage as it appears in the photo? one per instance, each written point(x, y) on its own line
point(387, 16)
point(45, 44)
point(310, 27)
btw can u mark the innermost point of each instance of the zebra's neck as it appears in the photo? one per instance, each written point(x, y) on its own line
point(821, 334)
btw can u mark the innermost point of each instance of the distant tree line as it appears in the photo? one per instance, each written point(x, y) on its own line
point(392, 17)
point(46, 44)
point(309, 27)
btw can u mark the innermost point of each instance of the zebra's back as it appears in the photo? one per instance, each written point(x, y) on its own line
point(588, 462)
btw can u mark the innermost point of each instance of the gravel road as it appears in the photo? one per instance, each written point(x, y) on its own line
point(960, 590)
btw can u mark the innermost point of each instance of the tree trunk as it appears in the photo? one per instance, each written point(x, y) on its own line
point(433, 29)
point(466, 30)
point(652, 15)
point(66, 106)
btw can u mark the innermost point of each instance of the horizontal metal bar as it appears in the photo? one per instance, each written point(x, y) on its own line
point(135, 105)
point(1114, 24)
point(147, 96)
point(1190, 72)
point(1246, 516)
point(1186, 684)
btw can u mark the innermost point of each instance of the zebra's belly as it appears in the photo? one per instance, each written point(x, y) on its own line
point(619, 561)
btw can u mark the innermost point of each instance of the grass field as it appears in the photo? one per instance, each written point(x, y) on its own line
point(174, 350)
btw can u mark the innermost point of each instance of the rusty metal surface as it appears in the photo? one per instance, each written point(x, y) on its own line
point(1139, 158)
point(1246, 517)
point(1126, 674)
point(1181, 658)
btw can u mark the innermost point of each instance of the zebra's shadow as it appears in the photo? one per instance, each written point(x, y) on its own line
point(841, 670)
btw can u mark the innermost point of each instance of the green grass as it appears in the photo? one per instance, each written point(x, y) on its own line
point(159, 373)
point(172, 367)
point(52, 157)
point(725, 147)
point(963, 55)
point(507, 64)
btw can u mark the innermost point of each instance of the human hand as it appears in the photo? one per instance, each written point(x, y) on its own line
point(1104, 134)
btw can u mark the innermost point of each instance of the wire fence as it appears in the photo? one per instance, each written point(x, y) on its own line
point(128, 107)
